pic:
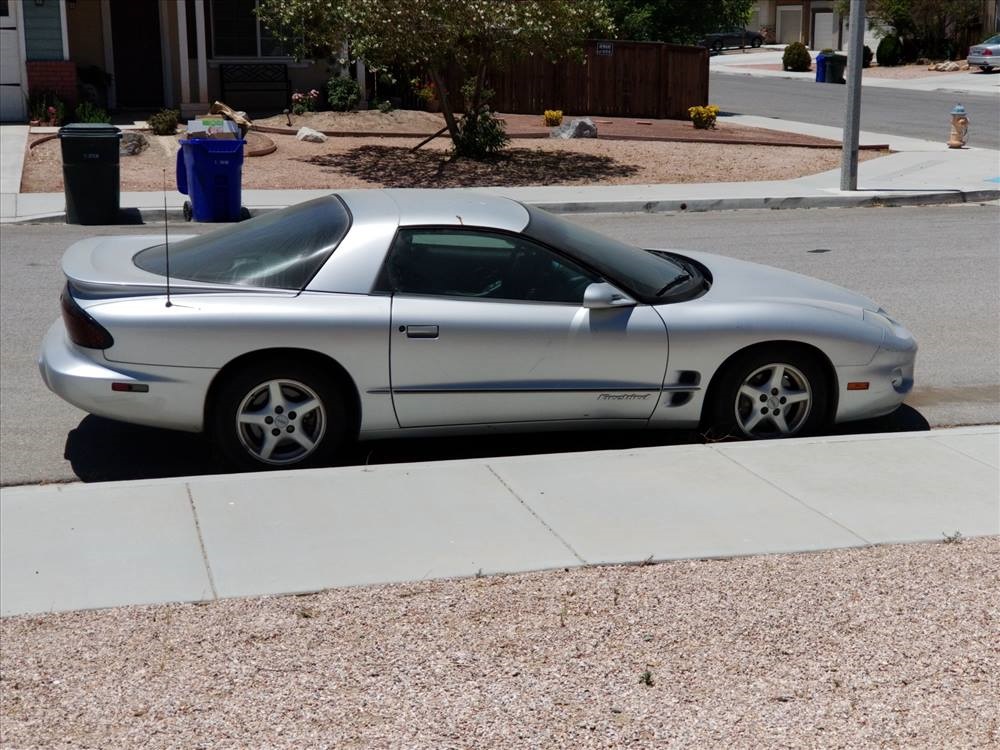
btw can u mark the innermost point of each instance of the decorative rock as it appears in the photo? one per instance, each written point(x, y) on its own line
point(132, 143)
point(582, 127)
point(308, 134)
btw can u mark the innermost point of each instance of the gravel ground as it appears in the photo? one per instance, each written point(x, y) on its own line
point(895, 646)
point(388, 162)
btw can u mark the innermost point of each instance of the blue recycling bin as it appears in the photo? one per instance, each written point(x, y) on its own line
point(210, 172)
point(821, 68)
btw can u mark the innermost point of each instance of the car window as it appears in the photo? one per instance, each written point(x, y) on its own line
point(481, 265)
point(277, 250)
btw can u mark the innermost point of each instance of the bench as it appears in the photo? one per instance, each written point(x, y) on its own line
point(255, 86)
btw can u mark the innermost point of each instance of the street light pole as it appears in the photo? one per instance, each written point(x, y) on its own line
point(852, 122)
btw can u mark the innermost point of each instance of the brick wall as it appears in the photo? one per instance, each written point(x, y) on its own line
point(58, 76)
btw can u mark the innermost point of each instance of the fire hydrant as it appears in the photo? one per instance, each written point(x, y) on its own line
point(959, 127)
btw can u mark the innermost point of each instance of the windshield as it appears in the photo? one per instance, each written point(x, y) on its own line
point(646, 274)
point(278, 250)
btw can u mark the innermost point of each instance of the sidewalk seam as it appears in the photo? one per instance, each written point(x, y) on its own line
point(785, 492)
point(201, 543)
point(537, 517)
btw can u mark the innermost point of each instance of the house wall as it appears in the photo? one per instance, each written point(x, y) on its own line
point(86, 35)
point(42, 31)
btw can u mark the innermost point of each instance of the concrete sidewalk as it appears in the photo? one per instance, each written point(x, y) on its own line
point(65, 547)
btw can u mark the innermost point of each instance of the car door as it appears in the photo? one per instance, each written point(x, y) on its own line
point(489, 327)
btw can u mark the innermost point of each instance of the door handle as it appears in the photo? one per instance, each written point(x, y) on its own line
point(421, 332)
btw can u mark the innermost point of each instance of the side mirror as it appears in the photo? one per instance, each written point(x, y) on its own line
point(602, 296)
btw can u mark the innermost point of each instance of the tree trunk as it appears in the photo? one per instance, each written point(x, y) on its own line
point(446, 110)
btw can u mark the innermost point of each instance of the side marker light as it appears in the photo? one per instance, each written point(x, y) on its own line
point(130, 387)
point(861, 386)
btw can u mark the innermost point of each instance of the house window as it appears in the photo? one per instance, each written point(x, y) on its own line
point(236, 32)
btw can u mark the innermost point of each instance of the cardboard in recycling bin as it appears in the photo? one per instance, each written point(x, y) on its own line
point(213, 128)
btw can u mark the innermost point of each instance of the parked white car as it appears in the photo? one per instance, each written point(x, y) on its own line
point(987, 54)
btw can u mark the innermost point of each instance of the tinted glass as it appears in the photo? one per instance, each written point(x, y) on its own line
point(643, 272)
point(278, 250)
point(467, 263)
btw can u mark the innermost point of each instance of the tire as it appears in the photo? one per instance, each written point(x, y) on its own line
point(244, 213)
point(294, 398)
point(718, 45)
point(754, 397)
point(187, 210)
point(756, 43)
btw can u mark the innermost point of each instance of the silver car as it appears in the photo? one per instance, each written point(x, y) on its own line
point(381, 313)
point(986, 55)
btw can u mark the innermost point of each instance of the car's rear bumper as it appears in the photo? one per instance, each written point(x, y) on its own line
point(175, 399)
point(889, 377)
point(991, 60)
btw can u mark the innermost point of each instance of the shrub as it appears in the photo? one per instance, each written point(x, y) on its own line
point(704, 117)
point(866, 57)
point(88, 112)
point(889, 51)
point(164, 122)
point(796, 58)
point(553, 117)
point(385, 106)
point(480, 135)
point(304, 101)
point(343, 94)
point(46, 107)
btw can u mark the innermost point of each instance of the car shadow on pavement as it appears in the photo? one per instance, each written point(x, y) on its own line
point(103, 450)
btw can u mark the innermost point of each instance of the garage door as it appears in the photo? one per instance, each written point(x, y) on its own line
point(11, 95)
point(789, 25)
point(824, 36)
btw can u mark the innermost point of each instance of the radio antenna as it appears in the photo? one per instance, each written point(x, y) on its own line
point(166, 236)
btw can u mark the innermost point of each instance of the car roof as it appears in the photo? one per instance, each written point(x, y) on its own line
point(455, 207)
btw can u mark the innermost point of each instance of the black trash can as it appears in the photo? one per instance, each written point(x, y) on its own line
point(91, 175)
point(835, 67)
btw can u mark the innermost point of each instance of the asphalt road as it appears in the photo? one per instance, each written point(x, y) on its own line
point(935, 268)
point(915, 114)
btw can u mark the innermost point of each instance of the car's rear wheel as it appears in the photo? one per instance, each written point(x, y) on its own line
point(771, 394)
point(756, 43)
point(717, 45)
point(279, 416)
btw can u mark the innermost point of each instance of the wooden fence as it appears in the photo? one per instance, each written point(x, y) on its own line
point(615, 79)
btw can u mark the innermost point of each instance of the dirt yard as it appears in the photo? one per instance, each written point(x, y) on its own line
point(889, 647)
point(388, 162)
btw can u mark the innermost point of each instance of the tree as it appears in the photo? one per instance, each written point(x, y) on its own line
point(931, 28)
point(440, 36)
point(677, 21)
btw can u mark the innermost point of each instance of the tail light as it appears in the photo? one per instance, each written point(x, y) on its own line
point(987, 52)
point(83, 330)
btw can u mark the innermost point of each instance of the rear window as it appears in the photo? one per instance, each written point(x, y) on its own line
point(278, 250)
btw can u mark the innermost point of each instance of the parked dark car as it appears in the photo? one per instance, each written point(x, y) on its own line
point(732, 38)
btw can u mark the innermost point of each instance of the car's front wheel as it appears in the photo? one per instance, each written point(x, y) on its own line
point(756, 43)
point(279, 416)
point(771, 394)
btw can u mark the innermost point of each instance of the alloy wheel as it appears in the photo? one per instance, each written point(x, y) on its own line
point(281, 422)
point(773, 401)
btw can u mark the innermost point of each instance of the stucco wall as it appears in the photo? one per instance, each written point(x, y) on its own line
point(86, 35)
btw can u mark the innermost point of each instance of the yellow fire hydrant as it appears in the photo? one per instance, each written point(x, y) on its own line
point(959, 127)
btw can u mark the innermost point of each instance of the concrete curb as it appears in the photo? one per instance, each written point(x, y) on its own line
point(154, 216)
point(789, 202)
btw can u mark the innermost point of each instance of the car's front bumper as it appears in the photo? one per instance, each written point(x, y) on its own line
point(175, 399)
point(890, 379)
